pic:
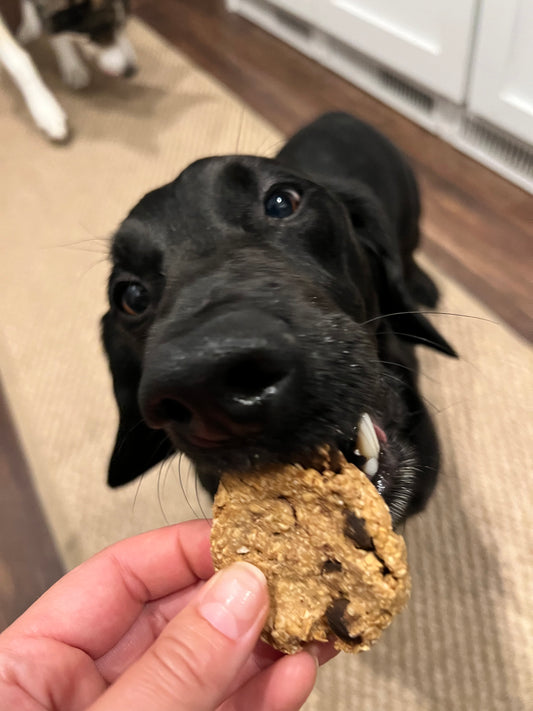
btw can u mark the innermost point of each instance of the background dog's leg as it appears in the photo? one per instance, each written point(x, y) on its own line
point(119, 59)
point(43, 106)
point(127, 50)
point(73, 70)
point(30, 26)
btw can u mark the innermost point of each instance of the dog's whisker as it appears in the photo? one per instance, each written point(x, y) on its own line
point(89, 240)
point(388, 375)
point(419, 339)
point(161, 477)
point(458, 403)
point(183, 488)
point(465, 360)
point(89, 269)
point(429, 312)
point(137, 491)
point(160, 468)
point(82, 249)
point(198, 500)
point(158, 485)
point(411, 370)
point(129, 433)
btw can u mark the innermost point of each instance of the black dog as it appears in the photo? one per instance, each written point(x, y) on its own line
point(261, 307)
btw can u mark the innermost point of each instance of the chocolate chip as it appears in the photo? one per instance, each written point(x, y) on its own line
point(331, 566)
point(385, 570)
point(335, 618)
point(355, 529)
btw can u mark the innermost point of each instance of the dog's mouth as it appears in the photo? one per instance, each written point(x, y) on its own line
point(384, 458)
point(386, 461)
point(366, 448)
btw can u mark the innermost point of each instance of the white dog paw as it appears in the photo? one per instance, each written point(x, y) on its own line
point(30, 27)
point(50, 117)
point(76, 76)
point(27, 34)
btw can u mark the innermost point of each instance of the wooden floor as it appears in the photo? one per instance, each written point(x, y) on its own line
point(29, 562)
point(477, 226)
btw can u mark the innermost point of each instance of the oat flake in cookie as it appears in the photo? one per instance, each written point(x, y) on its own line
point(324, 540)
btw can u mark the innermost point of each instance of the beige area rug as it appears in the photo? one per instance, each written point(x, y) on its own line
point(465, 642)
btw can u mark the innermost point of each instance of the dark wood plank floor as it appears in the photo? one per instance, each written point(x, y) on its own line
point(29, 562)
point(478, 227)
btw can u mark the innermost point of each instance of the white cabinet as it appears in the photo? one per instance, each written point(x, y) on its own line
point(501, 88)
point(306, 9)
point(426, 41)
point(461, 68)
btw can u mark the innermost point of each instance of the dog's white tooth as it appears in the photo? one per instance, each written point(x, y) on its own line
point(371, 467)
point(367, 441)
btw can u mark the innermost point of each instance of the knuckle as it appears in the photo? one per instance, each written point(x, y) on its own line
point(179, 664)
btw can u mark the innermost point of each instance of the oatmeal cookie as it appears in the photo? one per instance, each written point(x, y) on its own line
point(322, 535)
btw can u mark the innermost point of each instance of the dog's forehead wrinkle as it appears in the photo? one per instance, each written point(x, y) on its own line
point(236, 186)
point(138, 247)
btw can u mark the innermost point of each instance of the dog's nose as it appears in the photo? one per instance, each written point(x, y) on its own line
point(225, 379)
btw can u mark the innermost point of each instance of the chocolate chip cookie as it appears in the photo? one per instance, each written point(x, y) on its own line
point(322, 535)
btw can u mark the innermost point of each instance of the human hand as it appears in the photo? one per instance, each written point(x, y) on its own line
point(137, 627)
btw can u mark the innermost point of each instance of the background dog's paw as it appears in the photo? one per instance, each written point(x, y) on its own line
point(50, 117)
point(30, 27)
point(76, 76)
point(28, 33)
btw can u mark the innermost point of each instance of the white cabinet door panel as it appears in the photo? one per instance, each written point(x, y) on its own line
point(426, 41)
point(501, 88)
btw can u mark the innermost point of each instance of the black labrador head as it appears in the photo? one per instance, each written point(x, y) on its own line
point(246, 326)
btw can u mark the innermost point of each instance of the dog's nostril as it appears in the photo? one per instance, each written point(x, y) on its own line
point(252, 377)
point(174, 410)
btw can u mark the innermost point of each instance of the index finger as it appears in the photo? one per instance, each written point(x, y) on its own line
point(108, 592)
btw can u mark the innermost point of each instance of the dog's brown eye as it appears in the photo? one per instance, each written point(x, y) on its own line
point(132, 298)
point(282, 202)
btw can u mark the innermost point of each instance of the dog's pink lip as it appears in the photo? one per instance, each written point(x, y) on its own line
point(217, 431)
point(208, 442)
point(380, 433)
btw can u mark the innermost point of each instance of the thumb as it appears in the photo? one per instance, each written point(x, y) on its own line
point(192, 664)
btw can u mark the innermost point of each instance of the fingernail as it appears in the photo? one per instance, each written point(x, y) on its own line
point(233, 599)
point(313, 649)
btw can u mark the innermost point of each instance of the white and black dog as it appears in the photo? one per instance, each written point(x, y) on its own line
point(94, 26)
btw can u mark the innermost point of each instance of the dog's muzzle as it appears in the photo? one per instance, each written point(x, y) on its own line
point(223, 381)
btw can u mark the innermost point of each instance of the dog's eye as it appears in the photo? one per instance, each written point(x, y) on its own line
point(132, 298)
point(282, 202)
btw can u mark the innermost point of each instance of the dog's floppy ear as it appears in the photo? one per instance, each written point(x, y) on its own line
point(137, 447)
point(396, 303)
